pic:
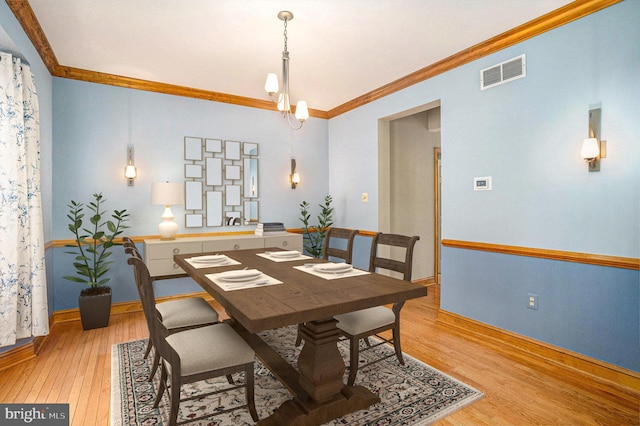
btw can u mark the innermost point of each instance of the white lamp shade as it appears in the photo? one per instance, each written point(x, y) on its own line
point(271, 85)
point(130, 172)
point(302, 112)
point(295, 178)
point(167, 193)
point(590, 148)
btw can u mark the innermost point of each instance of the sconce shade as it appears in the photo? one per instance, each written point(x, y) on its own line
point(590, 148)
point(294, 177)
point(167, 193)
point(130, 172)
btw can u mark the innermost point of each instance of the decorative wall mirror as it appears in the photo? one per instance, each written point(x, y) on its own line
point(193, 149)
point(231, 150)
point(221, 182)
point(193, 220)
point(232, 172)
point(251, 178)
point(232, 218)
point(250, 212)
point(213, 145)
point(214, 208)
point(193, 171)
point(250, 149)
point(214, 172)
point(193, 195)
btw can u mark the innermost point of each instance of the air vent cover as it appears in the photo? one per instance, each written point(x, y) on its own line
point(504, 72)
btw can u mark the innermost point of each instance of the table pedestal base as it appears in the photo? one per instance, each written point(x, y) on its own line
point(295, 412)
point(318, 388)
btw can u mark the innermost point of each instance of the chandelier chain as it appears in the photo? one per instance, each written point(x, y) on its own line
point(285, 35)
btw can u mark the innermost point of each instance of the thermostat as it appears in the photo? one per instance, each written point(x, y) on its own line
point(482, 183)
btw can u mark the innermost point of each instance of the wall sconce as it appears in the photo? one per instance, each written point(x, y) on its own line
point(166, 194)
point(130, 170)
point(295, 176)
point(593, 149)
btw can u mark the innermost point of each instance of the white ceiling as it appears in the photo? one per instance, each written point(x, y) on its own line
point(340, 49)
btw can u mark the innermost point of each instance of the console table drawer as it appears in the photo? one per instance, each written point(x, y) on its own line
point(162, 267)
point(232, 244)
point(166, 251)
point(287, 242)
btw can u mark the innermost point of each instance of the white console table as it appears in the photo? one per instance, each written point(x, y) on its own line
point(158, 254)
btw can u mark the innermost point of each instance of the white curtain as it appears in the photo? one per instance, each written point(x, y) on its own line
point(23, 290)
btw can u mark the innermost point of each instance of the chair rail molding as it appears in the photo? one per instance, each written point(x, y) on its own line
point(565, 256)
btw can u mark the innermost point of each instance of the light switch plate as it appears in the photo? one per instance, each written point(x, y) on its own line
point(365, 197)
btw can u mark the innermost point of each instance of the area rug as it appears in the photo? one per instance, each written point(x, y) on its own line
point(413, 394)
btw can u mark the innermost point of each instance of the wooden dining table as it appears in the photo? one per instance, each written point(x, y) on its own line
point(317, 386)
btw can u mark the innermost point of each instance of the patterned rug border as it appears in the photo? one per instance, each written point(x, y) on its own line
point(452, 408)
point(116, 418)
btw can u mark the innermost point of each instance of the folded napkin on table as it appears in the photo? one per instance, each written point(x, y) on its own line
point(331, 271)
point(211, 261)
point(241, 279)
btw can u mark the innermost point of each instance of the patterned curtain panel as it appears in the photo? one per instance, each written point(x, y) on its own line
point(23, 291)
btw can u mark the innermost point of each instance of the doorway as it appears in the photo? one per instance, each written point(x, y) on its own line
point(407, 172)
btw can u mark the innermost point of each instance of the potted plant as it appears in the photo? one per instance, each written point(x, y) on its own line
point(314, 237)
point(93, 243)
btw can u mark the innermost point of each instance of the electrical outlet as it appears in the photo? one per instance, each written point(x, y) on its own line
point(532, 301)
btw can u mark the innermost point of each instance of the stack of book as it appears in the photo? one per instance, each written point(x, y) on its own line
point(270, 228)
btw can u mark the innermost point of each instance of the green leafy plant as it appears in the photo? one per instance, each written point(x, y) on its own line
point(93, 243)
point(314, 235)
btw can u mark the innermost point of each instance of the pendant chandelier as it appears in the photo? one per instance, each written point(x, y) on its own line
point(283, 98)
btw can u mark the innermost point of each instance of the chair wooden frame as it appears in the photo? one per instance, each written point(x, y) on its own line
point(339, 233)
point(377, 261)
point(131, 249)
point(172, 381)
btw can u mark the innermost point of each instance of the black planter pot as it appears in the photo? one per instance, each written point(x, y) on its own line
point(95, 310)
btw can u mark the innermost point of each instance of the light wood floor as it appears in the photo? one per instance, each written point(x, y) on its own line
point(74, 367)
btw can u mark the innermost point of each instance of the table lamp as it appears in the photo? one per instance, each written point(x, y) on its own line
point(166, 194)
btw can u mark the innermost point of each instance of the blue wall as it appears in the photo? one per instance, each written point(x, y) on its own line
point(93, 124)
point(589, 309)
point(526, 135)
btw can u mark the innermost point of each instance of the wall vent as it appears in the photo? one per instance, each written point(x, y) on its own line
point(504, 72)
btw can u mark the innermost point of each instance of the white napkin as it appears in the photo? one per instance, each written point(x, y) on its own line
point(211, 261)
point(284, 255)
point(331, 271)
point(241, 279)
point(238, 275)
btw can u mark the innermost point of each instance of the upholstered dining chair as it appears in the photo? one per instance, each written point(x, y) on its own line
point(176, 315)
point(194, 355)
point(372, 321)
point(345, 237)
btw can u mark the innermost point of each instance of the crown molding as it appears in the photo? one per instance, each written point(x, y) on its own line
point(554, 19)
